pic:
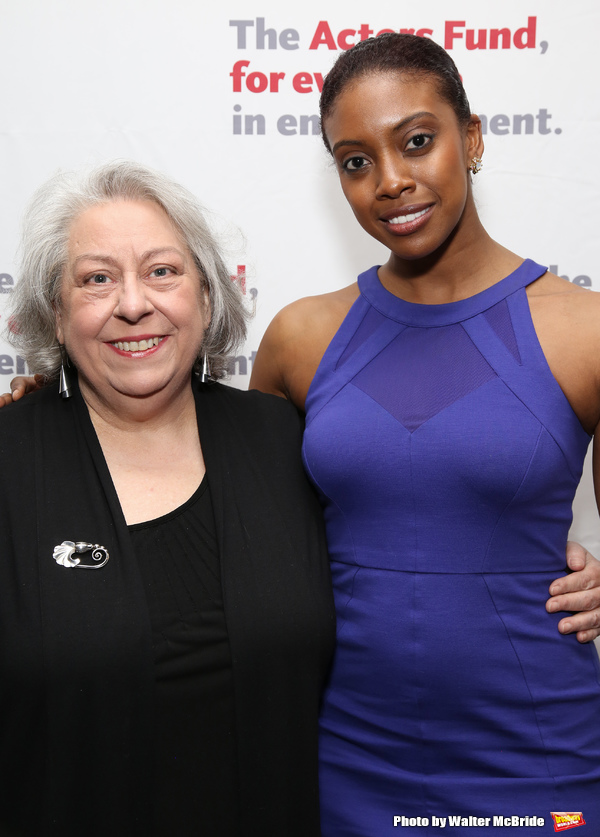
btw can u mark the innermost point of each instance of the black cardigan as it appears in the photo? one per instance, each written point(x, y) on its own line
point(76, 667)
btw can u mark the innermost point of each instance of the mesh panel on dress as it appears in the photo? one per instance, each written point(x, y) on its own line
point(499, 318)
point(433, 368)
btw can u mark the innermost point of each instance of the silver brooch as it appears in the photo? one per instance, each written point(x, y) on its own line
point(67, 554)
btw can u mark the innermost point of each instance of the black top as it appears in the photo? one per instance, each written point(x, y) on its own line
point(77, 669)
point(196, 789)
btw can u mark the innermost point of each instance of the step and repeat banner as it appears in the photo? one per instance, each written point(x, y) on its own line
point(224, 98)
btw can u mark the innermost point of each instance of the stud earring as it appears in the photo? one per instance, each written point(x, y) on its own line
point(475, 165)
point(64, 384)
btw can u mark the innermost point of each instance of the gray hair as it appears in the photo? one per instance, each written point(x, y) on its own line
point(43, 256)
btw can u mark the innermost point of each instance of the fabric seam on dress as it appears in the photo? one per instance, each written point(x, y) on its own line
point(512, 499)
point(424, 776)
point(325, 358)
point(529, 410)
point(525, 681)
point(537, 346)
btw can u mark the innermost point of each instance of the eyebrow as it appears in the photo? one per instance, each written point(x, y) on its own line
point(398, 127)
point(149, 254)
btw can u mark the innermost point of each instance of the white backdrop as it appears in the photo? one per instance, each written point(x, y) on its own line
point(223, 97)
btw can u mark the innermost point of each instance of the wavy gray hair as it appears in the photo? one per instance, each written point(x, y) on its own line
point(43, 256)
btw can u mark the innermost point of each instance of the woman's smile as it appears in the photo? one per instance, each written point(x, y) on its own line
point(408, 221)
point(138, 347)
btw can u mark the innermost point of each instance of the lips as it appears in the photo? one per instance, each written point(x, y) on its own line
point(407, 221)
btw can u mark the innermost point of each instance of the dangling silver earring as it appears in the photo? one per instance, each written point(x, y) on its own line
point(64, 384)
point(205, 374)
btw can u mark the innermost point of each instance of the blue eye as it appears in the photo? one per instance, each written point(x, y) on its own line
point(99, 279)
point(161, 272)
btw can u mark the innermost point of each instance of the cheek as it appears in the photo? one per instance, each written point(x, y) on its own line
point(356, 197)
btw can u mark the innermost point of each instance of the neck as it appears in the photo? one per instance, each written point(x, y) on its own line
point(165, 409)
point(467, 263)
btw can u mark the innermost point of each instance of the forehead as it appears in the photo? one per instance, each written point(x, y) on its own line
point(381, 100)
point(118, 223)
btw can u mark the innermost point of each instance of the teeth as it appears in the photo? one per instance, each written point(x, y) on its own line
point(137, 346)
point(404, 219)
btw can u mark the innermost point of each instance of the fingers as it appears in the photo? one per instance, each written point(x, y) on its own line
point(21, 385)
point(578, 592)
point(585, 576)
point(585, 625)
point(576, 556)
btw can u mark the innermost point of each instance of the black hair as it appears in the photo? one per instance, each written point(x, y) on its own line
point(394, 52)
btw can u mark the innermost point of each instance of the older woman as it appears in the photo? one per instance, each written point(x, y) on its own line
point(167, 619)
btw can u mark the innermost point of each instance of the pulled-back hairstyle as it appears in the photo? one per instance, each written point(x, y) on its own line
point(395, 52)
point(43, 257)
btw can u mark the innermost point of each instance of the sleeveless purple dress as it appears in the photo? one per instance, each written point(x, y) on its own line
point(447, 457)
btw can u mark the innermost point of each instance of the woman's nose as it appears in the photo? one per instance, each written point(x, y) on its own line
point(395, 177)
point(133, 301)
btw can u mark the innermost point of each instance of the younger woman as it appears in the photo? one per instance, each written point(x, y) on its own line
point(450, 398)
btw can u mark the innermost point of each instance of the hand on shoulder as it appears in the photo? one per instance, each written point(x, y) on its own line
point(20, 386)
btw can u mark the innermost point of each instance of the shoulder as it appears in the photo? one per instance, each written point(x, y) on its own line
point(19, 415)
point(323, 311)
point(18, 449)
point(563, 303)
point(566, 320)
point(240, 427)
point(296, 340)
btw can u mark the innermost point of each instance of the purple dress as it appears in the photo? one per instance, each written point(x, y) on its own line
point(447, 456)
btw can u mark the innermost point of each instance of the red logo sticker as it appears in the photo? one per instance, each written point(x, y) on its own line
point(567, 819)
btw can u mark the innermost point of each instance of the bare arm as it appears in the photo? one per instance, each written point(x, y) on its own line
point(566, 322)
point(295, 342)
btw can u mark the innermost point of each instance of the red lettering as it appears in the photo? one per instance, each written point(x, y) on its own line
point(525, 37)
point(342, 40)
point(322, 36)
point(319, 81)
point(495, 36)
point(302, 83)
point(450, 35)
point(237, 75)
point(257, 82)
point(274, 79)
point(347, 38)
point(481, 40)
